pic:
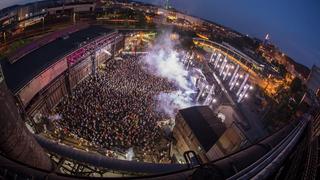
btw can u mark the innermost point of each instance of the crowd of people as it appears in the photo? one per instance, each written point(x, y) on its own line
point(116, 108)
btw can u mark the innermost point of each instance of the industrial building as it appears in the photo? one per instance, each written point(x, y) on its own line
point(197, 129)
point(40, 83)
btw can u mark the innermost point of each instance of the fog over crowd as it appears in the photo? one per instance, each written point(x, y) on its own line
point(165, 61)
point(121, 106)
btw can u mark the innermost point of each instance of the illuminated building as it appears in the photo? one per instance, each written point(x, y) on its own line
point(266, 39)
point(167, 6)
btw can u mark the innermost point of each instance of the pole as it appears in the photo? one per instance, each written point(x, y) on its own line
point(217, 60)
point(243, 83)
point(223, 65)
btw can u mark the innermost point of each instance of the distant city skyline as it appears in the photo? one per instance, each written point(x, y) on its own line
point(293, 25)
point(7, 3)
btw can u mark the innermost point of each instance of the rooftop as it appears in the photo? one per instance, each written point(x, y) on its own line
point(29, 66)
point(205, 125)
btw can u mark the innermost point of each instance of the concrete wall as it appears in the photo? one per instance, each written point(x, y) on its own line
point(75, 8)
point(229, 142)
point(46, 90)
point(80, 72)
point(16, 141)
point(42, 80)
point(186, 140)
point(48, 98)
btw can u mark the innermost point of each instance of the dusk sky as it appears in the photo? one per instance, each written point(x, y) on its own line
point(293, 25)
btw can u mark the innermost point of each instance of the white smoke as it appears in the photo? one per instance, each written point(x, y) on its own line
point(170, 103)
point(55, 117)
point(166, 64)
point(129, 154)
point(164, 61)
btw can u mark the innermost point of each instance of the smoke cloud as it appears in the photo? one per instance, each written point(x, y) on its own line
point(170, 103)
point(129, 154)
point(164, 61)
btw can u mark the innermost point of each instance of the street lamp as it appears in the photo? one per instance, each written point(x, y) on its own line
point(214, 100)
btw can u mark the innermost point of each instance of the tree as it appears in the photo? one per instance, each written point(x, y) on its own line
point(296, 85)
point(282, 70)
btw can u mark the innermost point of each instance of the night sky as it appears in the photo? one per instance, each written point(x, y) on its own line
point(293, 25)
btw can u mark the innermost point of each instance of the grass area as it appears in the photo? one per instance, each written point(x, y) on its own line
point(14, 47)
point(18, 44)
point(2, 56)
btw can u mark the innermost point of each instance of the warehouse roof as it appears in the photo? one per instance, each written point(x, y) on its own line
point(206, 127)
point(25, 69)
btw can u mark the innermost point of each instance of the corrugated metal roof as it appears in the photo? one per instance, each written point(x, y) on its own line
point(25, 69)
point(205, 125)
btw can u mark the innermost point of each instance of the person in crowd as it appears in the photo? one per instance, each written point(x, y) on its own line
point(117, 108)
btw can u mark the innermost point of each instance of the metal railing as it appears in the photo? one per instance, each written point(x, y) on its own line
point(267, 164)
point(271, 152)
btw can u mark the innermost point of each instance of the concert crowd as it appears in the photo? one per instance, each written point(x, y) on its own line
point(116, 109)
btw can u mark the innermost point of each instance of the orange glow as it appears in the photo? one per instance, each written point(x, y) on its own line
point(172, 17)
point(270, 85)
point(202, 36)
